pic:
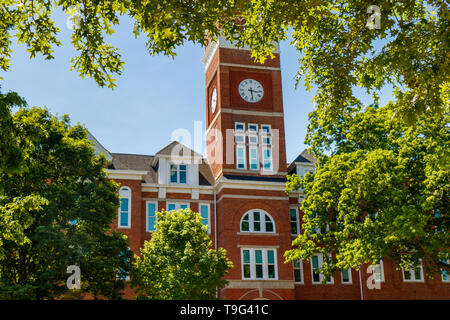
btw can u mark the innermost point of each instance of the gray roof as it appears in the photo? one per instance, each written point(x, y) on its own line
point(305, 156)
point(123, 161)
point(183, 150)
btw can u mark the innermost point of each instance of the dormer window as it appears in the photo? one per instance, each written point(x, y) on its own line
point(178, 173)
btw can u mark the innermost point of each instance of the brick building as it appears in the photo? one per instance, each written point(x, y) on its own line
point(239, 192)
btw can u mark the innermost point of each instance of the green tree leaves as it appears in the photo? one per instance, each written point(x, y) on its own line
point(56, 210)
point(383, 190)
point(178, 263)
point(337, 51)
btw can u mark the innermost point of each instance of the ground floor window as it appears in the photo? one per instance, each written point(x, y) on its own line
point(298, 271)
point(316, 264)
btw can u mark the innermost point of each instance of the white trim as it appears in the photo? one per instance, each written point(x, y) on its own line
point(250, 131)
point(226, 170)
point(349, 276)
point(241, 146)
point(238, 196)
point(200, 204)
point(308, 164)
point(301, 271)
point(413, 274)
point(264, 132)
point(178, 173)
point(264, 263)
point(297, 217)
point(250, 148)
point(129, 197)
point(252, 113)
point(176, 188)
point(262, 222)
point(321, 276)
point(264, 148)
point(126, 174)
point(209, 54)
point(236, 130)
point(146, 214)
point(226, 64)
point(177, 204)
point(251, 185)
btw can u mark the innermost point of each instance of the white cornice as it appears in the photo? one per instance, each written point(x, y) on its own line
point(249, 185)
point(249, 66)
point(126, 174)
point(210, 51)
point(174, 188)
point(309, 164)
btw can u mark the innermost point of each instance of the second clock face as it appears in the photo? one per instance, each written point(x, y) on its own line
point(251, 90)
point(213, 100)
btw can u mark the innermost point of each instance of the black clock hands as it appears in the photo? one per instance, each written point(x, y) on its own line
point(251, 91)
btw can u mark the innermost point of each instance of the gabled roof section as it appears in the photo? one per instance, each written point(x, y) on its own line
point(149, 163)
point(305, 156)
point(178, 149)
point(98, 148)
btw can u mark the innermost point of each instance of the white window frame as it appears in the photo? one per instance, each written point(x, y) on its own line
point(413, 274)
point(321, 276)
point(241, 146)
point(264, 263)
point(301, 271)
point(252, 125)
point(209, 213)
point(177, 205)
point(238, 135)
point(254, 137)
point(349, 276)
point(373, 266)
point(178, 173)
point(297, 220)
point(269, 143)
point(266, 126)
point(147, 214)
point(262, 222)
point(239, 130)
point(250, 148)
point(263, 148)
point(129, 197)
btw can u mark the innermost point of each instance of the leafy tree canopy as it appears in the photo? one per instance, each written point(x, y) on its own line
point(381, 188)
point(178, 262)
point(56, 212)
point(408, 50)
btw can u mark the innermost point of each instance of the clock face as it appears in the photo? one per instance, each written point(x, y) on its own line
point(251, 90)
point(213, 100)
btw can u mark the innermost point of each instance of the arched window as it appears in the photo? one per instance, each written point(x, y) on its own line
point(124, 220)
point(257, 221)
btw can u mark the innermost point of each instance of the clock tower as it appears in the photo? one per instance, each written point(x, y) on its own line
point(247, 155)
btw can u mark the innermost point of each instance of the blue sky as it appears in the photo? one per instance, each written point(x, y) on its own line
point(154, 95)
